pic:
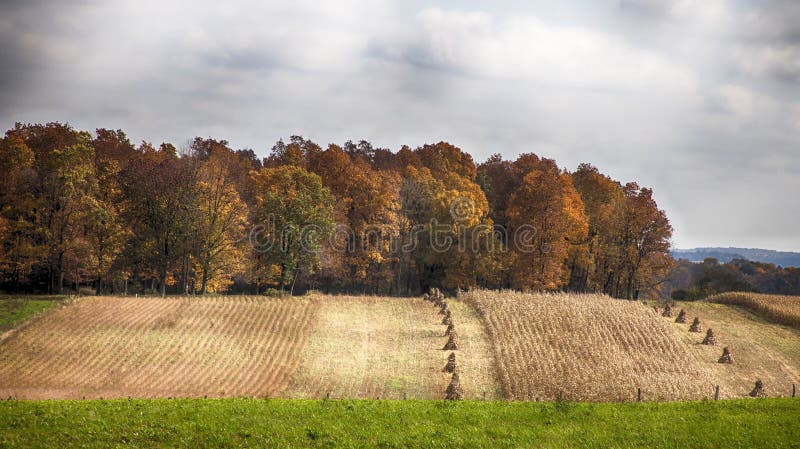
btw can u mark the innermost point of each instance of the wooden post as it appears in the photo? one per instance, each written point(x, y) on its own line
point(716, 393)
point(328, 395)
point(794, 389)
point(404, 396)
point(484, 395)
point(639, 394)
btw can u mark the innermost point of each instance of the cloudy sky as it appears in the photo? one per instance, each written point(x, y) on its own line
point(698, 99)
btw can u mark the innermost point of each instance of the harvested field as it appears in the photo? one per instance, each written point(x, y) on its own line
point(154, 347)
point(587, 348)
point(760, 350)
point(777, 308)
point(370, 347)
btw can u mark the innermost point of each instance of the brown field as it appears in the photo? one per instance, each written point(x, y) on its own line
point(370, 347)
point(760, 349)
point(778, 308)
point(119, 347)
point(512, 346)
point(587, 348)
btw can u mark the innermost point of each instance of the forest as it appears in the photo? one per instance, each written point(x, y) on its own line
point(93, 212)
point(693, 281)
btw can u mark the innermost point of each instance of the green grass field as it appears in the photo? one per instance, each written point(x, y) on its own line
point(762, 423)
point(15, 310)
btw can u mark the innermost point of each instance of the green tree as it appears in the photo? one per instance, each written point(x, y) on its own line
point(295, 213)
point(69, 192)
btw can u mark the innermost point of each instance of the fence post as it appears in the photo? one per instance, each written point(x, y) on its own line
point(639, 394)
point(794, 389)
point(716, 393)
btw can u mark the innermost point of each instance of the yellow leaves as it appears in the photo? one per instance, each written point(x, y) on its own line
point(220, 222)
point(14, 154)
point(375, 256)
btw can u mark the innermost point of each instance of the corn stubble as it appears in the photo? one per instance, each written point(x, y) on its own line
point(585, 347)
point(778, 308)
point(391, 348)
point(155, 347)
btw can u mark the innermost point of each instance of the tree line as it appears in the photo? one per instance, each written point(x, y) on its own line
point(83, 210)
point(692, 281)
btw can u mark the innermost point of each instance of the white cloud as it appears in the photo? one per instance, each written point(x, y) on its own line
point(735, 99)
point(781, 61)
point(706, 11)
point(693, 98)
point(527, 48)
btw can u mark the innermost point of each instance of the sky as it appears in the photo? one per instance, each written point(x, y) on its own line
point(699, 100)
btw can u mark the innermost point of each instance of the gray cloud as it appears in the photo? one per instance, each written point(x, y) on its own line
point(696, 99)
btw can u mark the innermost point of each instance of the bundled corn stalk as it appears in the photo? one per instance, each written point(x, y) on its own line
point(681, 317)
point(667, 311)
point(758, 390)
point(726, 356)
point(696, 327)
point(436, 296)
point(452, 342)
point(710, 338)
point(454, 391)
point(451, 366)
point(448, 319)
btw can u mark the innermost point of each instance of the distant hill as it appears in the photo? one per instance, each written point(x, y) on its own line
point(782, 258)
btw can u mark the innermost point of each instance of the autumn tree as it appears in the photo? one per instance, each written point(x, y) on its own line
point(366, 209)
point(219, 227)
point(629, 235)
point(69, 185)
point(602, 198)
point(160, 191)
point(444, 159)
point(94, 211)
point(498, 179)
point(447, 227)
point(294, 153)
point(644, 236)
point(545, 217)
point(19, 250)
point(294, 214)
point(107, 231)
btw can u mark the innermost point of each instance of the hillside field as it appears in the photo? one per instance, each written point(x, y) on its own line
point(513, 346)
point(102, 347)
point(760, 349)
point(15, 310)
point(780, 309)
point(586, 348)
point(390, 348)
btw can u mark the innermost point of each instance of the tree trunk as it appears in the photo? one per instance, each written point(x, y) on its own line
point(204, 283)
point(163, 282)
point(163, 273)
point(282, 282)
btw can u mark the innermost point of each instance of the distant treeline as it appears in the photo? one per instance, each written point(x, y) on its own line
point(82, 211)
point(782, 258)
point(691, 281)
